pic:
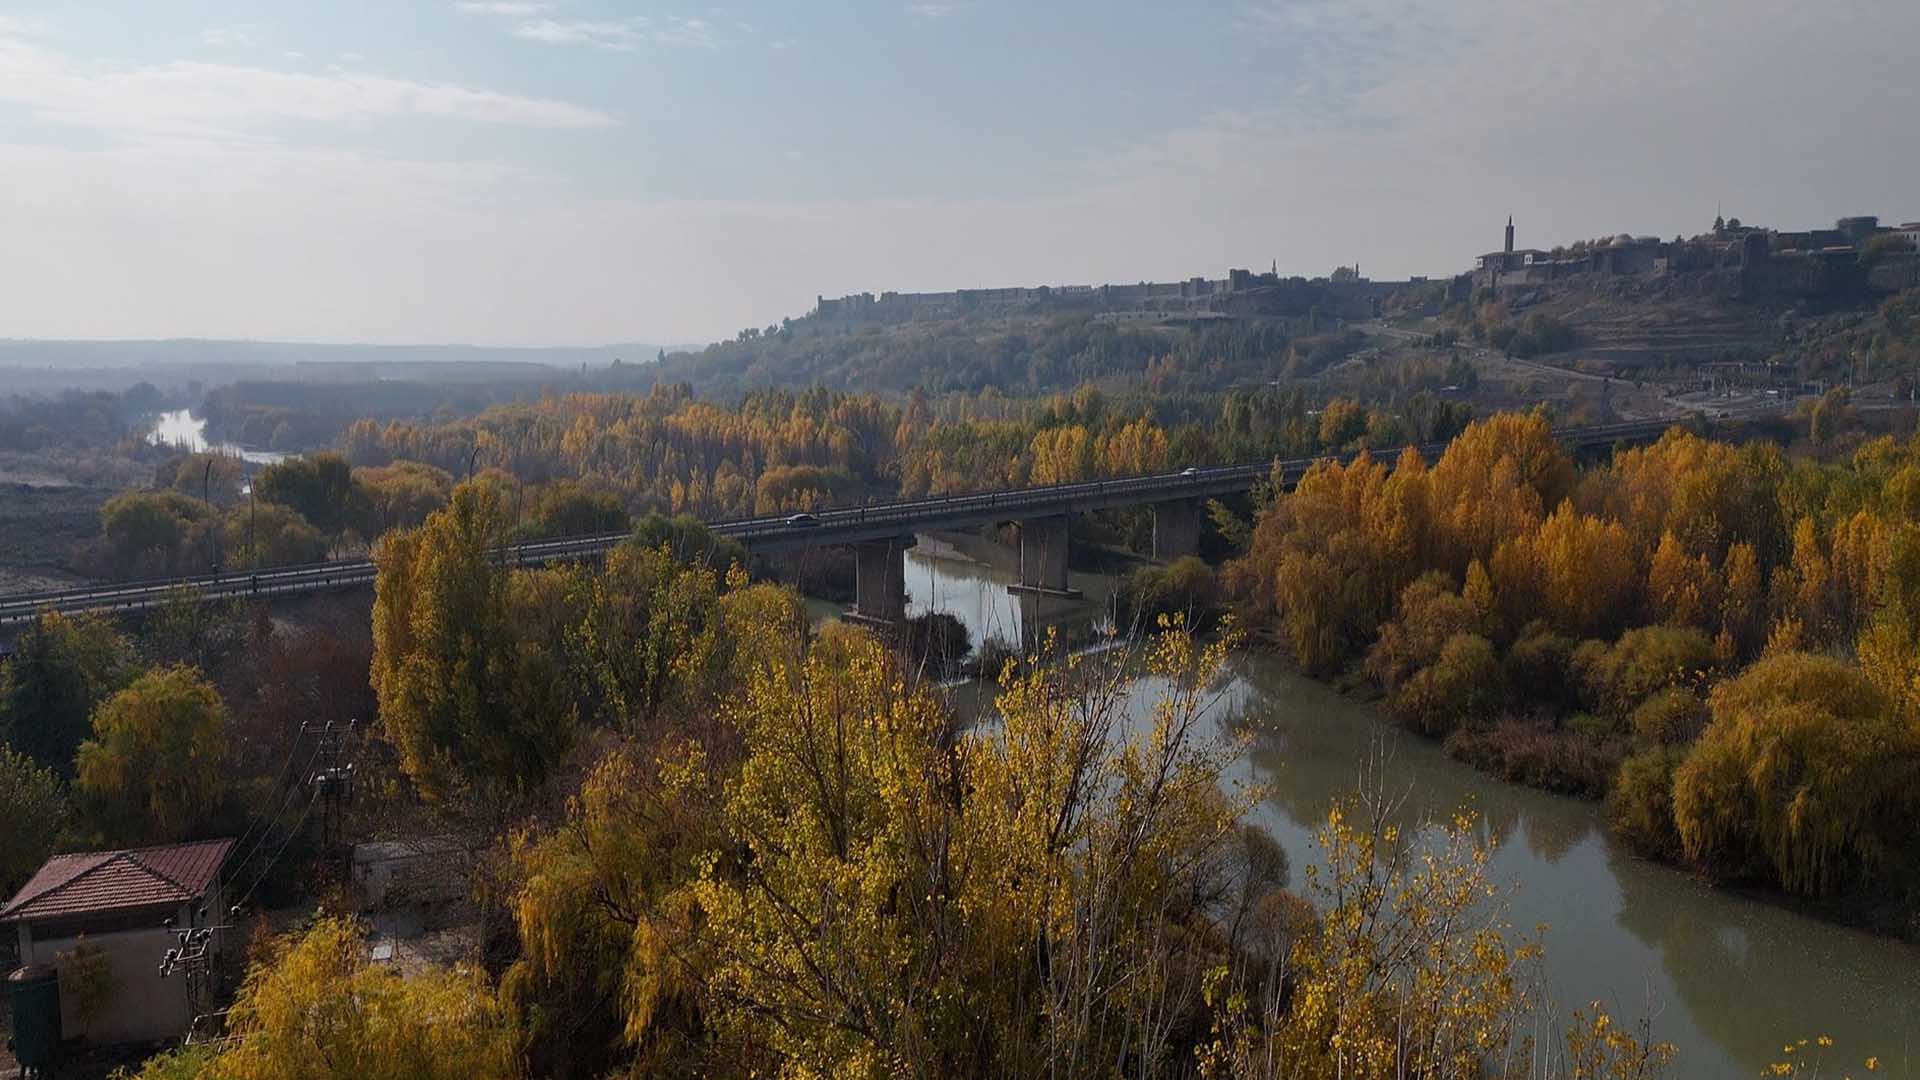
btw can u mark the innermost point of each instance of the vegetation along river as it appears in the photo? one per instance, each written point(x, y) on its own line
point(1726, 978)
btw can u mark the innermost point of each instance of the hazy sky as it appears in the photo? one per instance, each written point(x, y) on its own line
point(568, 171)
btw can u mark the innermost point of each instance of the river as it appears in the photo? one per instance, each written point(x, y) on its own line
point(181, 429)
point(1726, 978)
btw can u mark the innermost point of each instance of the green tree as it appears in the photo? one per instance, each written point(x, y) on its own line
point(569, 508)
point(158, 532)
point(34, 806)
point(153, 770)
point(270, 534)
point(62, 668)
point(319, 487)
point(475, 700)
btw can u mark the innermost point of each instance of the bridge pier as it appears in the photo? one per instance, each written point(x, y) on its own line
point(1176, 529)
point(1043, 558)
point(880, 581)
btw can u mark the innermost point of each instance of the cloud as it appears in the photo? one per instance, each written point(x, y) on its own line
point(511, 8)
point(222, 36)
point(611, 36)
point(210, 101)
point(624, 36)
point(698, 33)
point(1440, 120)
point(934, 11)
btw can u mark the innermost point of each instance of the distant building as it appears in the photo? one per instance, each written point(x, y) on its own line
point(1858, 228)
point(119, 902)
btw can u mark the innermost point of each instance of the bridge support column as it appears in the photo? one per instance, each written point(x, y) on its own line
point(1176, 529)
point(1043, 557)
point(880, 581)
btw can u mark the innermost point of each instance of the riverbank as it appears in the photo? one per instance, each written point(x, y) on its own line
point(1723, 974)
point(1546, 754)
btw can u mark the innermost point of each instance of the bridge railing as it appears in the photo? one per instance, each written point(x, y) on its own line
point(150, 592)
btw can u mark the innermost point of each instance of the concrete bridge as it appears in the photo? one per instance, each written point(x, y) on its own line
point(879, 534)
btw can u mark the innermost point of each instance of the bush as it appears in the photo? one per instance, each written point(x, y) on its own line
point(1540, 666)
point(688, 539)
point(1462, 686)
point(1805, 777)
point(1532, 752)
point(1642, 663)
point(1428, 615)
point(1671, 717)
point(1640, 804)
point(938, 640)
point(1184, 587)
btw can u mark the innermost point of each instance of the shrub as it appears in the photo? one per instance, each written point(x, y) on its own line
point(1671, 717)
point(1185, 586)
point(1804, 777)
point(1429, 614)
point(1531, 752)
point(939, 640)
point(1640, 804)
point(1641, 663)
point(1460, 687)
point(1540, 666)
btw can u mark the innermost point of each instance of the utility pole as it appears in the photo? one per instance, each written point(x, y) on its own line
point(332, 784)
point(206, 495)
point(192, 959)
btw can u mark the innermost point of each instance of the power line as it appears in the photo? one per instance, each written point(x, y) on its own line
point(266, 833)
point(295, 831)
point(279, 778)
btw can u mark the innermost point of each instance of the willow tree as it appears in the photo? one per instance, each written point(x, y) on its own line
point(62, 667)
point(155, 767)
point(1805, 776)
point(316, 1009)
point(467, 659)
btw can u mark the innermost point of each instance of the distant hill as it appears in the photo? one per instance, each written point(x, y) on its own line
point(185, 352)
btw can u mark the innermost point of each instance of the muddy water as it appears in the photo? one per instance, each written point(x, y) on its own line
point(1726, 978)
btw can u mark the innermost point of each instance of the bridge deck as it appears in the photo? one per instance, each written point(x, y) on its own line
point(774, 534)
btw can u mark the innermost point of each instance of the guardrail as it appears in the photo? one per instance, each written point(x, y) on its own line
point(1052, 498)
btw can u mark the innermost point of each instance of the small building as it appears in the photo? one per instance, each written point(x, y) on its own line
point(119, 902)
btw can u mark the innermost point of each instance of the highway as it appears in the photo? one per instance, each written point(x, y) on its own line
point(765, 535)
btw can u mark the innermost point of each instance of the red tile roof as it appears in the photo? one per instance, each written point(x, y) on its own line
point(92, 882)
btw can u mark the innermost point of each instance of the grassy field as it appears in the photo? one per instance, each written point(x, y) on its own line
point(40, 527)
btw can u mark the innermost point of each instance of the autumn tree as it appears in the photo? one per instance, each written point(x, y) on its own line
point(648, 635)
point(158, 532)
point(154, 769)
point(400, 495)
point(269, 534)
point(62, 667)
point(1804, 777)
point(316, 1009)
point(469, 663)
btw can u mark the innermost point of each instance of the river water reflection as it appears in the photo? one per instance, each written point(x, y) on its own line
point(180, 428)
point(1727, 979)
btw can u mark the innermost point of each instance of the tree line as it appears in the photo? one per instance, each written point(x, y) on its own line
point(1721, 640)
point(724, 841)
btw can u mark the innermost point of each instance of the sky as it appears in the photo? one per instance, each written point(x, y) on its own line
point(527, 172)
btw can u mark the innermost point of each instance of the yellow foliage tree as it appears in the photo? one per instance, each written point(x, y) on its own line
point(1804, 776)
point(317, 1010)
point(153, 770)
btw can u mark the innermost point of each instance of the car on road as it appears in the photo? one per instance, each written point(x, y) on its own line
point(1191, 470)
point(802, 521)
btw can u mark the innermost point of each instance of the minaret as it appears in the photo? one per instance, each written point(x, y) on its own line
point(1509, 234)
